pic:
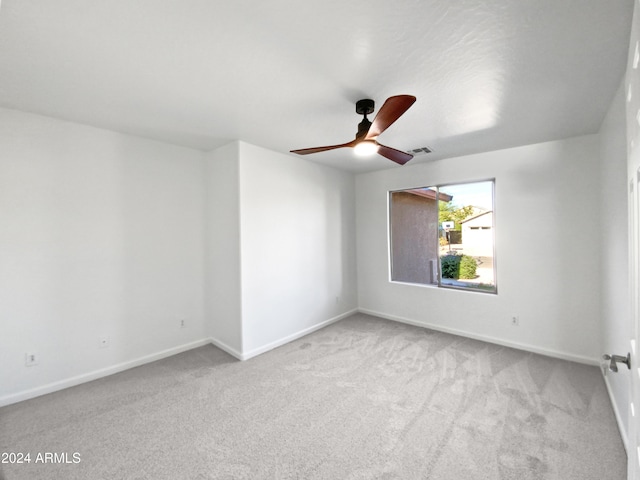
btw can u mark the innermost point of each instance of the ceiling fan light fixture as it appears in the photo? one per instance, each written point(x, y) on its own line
point(365, 148)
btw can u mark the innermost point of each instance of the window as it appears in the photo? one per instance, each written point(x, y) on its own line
point(444, 236)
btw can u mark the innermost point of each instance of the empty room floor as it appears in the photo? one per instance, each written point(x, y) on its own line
point(363, 398)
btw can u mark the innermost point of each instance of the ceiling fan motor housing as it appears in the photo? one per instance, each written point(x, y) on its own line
point(365, 106)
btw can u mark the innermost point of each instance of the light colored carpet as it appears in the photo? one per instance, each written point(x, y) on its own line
point(364, 398)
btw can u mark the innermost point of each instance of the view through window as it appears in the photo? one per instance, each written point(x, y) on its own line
point(444, 235)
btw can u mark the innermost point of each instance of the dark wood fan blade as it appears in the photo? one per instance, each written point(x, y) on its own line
point(394, 155)
point(307, 151)
point(392, 109)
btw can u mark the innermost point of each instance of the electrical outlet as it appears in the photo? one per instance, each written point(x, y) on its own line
point(103, 342)
point(31, 359)
point(515, 320)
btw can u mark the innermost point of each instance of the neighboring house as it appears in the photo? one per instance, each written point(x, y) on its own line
point(477, 234)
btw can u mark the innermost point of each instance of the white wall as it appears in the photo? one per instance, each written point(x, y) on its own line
point(615, 315)
point(108, 235)
point(104, 234)
point(101, 234)
point(547, 208)
point(223, 287)
point(298, 246)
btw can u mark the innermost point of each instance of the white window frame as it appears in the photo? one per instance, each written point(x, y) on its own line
point(455, 285)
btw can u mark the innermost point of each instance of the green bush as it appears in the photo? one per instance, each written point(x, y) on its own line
point(458, 266)
point(450, 266)
point(468, 267)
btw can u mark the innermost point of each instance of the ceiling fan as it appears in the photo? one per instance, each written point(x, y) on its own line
point(366, 138)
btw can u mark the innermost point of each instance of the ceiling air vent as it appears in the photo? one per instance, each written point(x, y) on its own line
point(419, 151)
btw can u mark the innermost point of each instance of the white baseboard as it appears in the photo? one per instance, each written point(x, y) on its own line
point(96, 374)
point(294, 336)
point(487, 338)
point(105, 372)
point(226, 348)
point(621, 423)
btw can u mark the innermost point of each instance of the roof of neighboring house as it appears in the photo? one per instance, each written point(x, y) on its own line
point(476, 215)
point(430, 193)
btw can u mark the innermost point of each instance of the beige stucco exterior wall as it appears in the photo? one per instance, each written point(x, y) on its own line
point(414, 238)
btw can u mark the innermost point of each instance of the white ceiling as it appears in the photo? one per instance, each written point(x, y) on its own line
point(285, 74)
